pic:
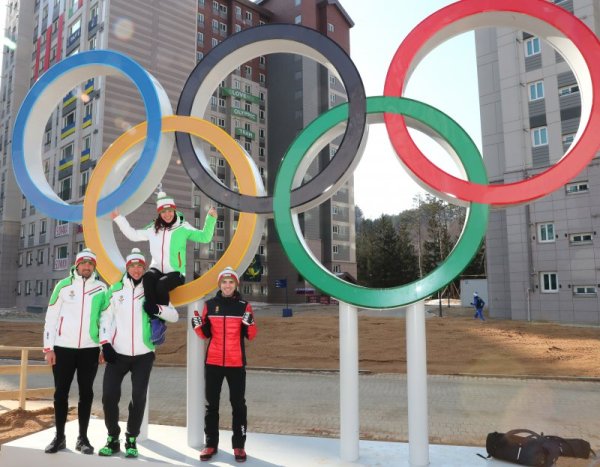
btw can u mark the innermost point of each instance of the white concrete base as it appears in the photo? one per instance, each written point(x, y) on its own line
point(168, 445)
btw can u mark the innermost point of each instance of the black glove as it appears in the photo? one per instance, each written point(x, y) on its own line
point(109, 353)
point(151, 310)
point(248, 318)
point(196, 322)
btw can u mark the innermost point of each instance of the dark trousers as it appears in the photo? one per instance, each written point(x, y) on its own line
point(140, 367)
point(157, 287)
point(236, 379)
point(85, 363)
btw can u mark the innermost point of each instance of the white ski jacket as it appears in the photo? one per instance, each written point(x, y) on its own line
point(125, 324)
point(73, 314)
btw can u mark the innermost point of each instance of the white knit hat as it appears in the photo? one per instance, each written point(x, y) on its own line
point(164, 202)
point(135, 257)
point(85, 255)
point(228, 272)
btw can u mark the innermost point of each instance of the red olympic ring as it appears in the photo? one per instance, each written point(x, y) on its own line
point(427, 35)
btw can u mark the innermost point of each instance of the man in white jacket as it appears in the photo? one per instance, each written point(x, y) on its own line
point(71, 345)
point(126, 338)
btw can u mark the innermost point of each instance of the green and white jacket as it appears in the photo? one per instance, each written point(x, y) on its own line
point(168, 246)
point(124, 324)
point(73, 314)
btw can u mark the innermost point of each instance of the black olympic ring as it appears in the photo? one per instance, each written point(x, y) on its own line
point(215, 66)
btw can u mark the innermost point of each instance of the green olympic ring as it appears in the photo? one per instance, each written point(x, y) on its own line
point(286, 222)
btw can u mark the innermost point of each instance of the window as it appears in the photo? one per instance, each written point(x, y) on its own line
point(532, 46)
point(62, 252)
point(221, 122)
point(220, 246)
point(214, 42)
point(577, 187)
point(65, 189)
point(19, 288)
point(548, 282)
point(247, 289)
point(93, 43)
point(579, 238)
point(546, 233)
point(335, 229)
point(85, 179)
point(330, 27)
point(220, 224)
point(40, 257)
point(247, 146)
point(29, 258)
point(298, 19)
point(248, 71)
point(335, 249)
point(539, 136)
point(43, 226)
point(584, 290)
point(237, 28)
point(262, 78)
point(262, 60)
point(223, 28)
point(87, 110)
point(76, 26)
point(27, 287)
point(238, 12)
point(567, 140)
point(215, 25)
point(249, 16)
point(32, 229)
point(332, 98)
point(566, 90)
point(69, 119)
point(200, 38)
point(337, 268)
point(536, 90)
point(264, 290)
point(67, 151)
point(262, 250)
point(199, 56)
point(332, 80)
point(223, 9)
point(20, 260)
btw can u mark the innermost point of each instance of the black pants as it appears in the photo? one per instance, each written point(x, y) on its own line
point(236, 379)
point(140, 367)
point(157, 287)
point(85, 363)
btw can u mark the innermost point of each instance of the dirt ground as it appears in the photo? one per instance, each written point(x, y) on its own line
point(456, 344)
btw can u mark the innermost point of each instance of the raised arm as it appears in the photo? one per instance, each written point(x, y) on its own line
point(131, 233)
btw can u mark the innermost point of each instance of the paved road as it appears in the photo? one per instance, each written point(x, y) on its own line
point(462, 410)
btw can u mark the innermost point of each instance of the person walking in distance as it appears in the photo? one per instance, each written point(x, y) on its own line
point(478, 303)
point(167, 236)
point(71, 345)
point(226, 320)
point(127, 347)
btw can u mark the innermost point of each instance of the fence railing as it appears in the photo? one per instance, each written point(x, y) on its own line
point(23, 370)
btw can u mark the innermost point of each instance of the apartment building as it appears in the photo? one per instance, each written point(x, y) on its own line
point(543, 258)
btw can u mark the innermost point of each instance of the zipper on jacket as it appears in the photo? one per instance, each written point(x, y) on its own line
point(132, 318)
point(81, 318)
point(179, 257)
point(60, 326)
point(224, 337)
point(162, 262)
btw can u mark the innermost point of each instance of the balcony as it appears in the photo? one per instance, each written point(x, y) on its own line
point(67, 130)
point(92, 24)
point(87, 121)
point(74, 37)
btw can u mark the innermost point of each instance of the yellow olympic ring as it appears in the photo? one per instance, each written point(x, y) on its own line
point(242, 170)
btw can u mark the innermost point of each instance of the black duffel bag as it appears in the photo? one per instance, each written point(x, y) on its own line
point(573, 447)
point(523, 447)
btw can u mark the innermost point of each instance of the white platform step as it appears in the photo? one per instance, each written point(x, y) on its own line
point(168, 445)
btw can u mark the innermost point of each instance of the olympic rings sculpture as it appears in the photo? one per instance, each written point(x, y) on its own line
point(563, 31)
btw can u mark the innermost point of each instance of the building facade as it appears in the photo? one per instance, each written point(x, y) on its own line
point(543, 258)
point(167, 37)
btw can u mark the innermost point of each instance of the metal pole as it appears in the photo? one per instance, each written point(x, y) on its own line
point(349, 413)
point(195, 381)
point(416, 376)
point(23, 378)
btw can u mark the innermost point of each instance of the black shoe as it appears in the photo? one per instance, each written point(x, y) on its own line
point(130, 446)
point(111, 447)
point(58, 443)
point(83, 445)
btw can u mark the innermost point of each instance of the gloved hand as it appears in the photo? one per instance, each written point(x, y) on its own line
point(110, 356)
point(151, 310)
point(196, 320)
point(248, 318)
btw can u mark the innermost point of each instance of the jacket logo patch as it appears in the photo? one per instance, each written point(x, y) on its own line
point(72, 294)
point(121, 299)
point(217, 309)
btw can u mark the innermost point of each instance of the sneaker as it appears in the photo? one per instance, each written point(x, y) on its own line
point(111, 447)
point(83, 445)
point(58, 443)
point(207, 453)
point(130, 446)
point(240, 454)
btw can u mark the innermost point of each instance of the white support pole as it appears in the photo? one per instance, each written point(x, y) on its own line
point(195, 381)
point(144, 428)
point(416, 376)
point(349, 413)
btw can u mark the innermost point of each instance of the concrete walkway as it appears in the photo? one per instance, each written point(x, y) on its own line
point(462, 410)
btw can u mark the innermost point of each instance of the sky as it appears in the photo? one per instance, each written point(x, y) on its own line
point(446, 79)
